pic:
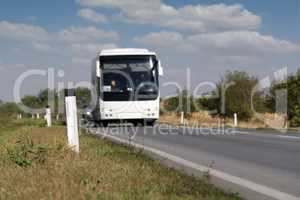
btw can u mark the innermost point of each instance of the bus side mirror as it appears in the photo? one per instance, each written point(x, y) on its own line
point(98, 73)
point(160, 69)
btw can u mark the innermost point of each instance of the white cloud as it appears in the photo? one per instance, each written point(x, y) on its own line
point(91, 47)
point(243, 42)
point(84, 52)
point(76, 44)
point(18, 31)
point(197, 18)
point(41, 39)
point(234, 43)
point(84, 43)
point(165, 39)
point(91, 15)
point(42, 47)
point(161, 39)
point(119, 4)
point(87, 34)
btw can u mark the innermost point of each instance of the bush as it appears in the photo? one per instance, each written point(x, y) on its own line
point(83, 96)
point(295, 121)
point(292, 86)
point(182, 102)
point(25, 152)
point(238, 95)
point(9, 109)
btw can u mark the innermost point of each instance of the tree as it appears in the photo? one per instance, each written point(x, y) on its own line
point(42, 99)
point(295, 119)
point(31, 101)
point(83, 96)
point(44, 96)
point(208, 102)
point(171, 104)
point(182, 102)
point(187, 102)
point(9, 109)
point(292, 86)
point(235, 90)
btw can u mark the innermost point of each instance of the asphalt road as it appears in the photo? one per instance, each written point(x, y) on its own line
point(267, 158)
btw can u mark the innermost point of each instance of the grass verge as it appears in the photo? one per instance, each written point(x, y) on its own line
point(35, 163)
point(205, 120)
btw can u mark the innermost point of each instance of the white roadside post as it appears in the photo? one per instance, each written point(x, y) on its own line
point(235, 122)
point(181, 118)
point(38, 115)
point(72, 120)
point(48, 117)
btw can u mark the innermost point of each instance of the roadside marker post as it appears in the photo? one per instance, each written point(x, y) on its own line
point(235, 120)
point(181, 118)
point(38, 115)
point(72, 119)
point(48, 117)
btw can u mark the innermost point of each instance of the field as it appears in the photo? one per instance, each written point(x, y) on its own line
point(35, 163)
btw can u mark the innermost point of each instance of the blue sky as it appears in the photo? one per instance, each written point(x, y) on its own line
point(280, 18)
point(209, 36)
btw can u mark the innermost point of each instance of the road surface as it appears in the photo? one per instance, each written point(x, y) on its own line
point(268, 159)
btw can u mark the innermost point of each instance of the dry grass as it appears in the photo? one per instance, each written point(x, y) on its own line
point(203, 118)
point(199, 117)
point(103, 170)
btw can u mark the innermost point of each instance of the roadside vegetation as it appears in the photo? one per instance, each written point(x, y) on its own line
point(209, 108)
point(36, 163)
point(41, 99)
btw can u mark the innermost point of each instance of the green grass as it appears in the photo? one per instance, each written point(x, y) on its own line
point(35, 163)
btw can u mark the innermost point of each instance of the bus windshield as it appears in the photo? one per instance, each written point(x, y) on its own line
point(122, 76)
point(127, 72)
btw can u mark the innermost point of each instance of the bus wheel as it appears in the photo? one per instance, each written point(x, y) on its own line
point(103, 124)
point(150, 122)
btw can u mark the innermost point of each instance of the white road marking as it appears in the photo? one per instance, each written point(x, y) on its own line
point(265, 190)
point(288, 136)
point(240, 132)
point(268, 135)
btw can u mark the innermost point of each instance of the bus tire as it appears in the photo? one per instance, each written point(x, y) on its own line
point(150, 122)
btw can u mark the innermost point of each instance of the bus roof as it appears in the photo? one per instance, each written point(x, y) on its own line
point(126, 52)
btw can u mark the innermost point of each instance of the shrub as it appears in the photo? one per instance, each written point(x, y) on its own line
point(237, 97)
point(182, 102)
point(295, 121)
point(9, 109)
point(292, 85)
point(25, 152)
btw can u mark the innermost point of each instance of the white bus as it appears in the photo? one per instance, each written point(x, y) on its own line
point(127, 85)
